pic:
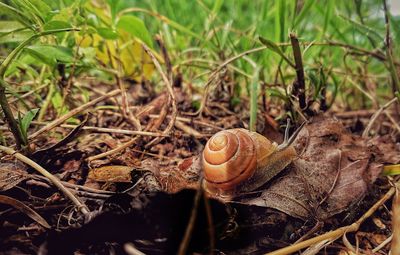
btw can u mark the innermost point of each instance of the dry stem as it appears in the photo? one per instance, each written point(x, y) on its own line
point(170, 89)
point(376, 115)
point(82, 207)
point(73, 112)
point(333, 235)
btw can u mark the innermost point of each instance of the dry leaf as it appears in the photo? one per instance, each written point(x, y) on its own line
point(25, 209)
point(174, 178)
point(11, 174)
point(111, 174)
point(332, 173)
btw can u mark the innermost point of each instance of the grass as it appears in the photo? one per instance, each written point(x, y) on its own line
point(298, 56)
point(342, 45)
point(234, 26)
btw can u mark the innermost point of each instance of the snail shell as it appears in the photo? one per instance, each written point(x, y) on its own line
point(237, 160)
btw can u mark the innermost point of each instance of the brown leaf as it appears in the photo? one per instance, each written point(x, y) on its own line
point(111, 174)
point(390, 152)
point(11, 174)
point(173, 178)
point(25, 209)
point(332, 172)
point(70, 137)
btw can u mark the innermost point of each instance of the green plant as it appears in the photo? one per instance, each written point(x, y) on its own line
point(24, 122)
point(18, 133)
point(50, 56)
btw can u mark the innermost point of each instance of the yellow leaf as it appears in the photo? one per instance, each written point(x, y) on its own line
point(135, 61)
point(111, 174)
point(391, 170)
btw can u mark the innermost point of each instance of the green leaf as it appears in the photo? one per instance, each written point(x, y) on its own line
point(7, 26)
point(327, 18)
point(92, 20)
point(22, 63)
point(37, 8)
point(235, 101)
point(135, 27)
point(363, 29)
point(280, 20)
point(305, 10)
point(50, 54)
point(217, 6)
point(15, 14)
point(56, 24)
point(272, 46)
point(25, 122)
point(113, 7)
point(17, 36)
point(41, 56)
point(395, 25)
point(274, 92)
point(196, 104)
point(40, 6)
point(107, 33)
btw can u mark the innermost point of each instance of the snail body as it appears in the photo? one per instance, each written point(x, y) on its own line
point(238, 161)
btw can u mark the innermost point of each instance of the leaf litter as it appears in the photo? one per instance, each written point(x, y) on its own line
point(334, 172)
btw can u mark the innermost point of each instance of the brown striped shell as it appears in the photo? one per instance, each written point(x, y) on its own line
point(233, 157)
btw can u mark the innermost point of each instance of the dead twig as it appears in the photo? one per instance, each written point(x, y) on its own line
point(72, 113)
point(192, 220)
point(355, 114)
point(126, 113)
point(25, 209)
point(299, 88)
point(74, 186)
point(171, 93)
point(333, 235)
point(395, 247)
point(113, 151)
point(131, 249)
point(19, 98)
point(106, 130)
point(188, 130)
point(190, 120)
point(376, 115)
point(394, 122)
point(211, 231)
point(82, 207)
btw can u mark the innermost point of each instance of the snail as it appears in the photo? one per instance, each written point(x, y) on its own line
point(237, 161)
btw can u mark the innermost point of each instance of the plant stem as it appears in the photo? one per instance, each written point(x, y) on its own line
point(253, 100)
point(16, 51)
point(12, 123)
point(392, 68)
point(9, 117)
point(82, 207)
point(335, 234)
point(299, 85)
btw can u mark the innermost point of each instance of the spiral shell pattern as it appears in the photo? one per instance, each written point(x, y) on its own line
point(230, 157)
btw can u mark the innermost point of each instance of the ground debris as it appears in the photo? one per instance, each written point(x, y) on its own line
point(334, 171)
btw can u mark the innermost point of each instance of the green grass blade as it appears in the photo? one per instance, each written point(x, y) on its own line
point(253, 99)
point(305, 10)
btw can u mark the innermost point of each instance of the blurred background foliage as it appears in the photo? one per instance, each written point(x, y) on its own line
point(342, 42)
